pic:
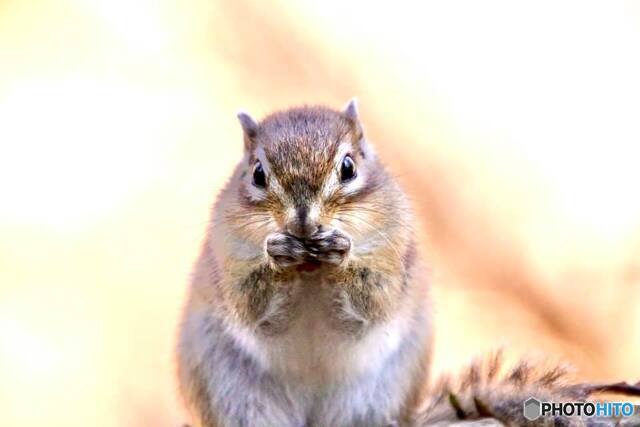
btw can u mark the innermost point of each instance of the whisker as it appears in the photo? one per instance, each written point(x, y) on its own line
point(350, 211)
point(380, 233)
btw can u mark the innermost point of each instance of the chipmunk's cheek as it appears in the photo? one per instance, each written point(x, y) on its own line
point(362, 246)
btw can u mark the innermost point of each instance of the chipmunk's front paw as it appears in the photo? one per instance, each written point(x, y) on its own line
point(285, 250)
point(330, 246)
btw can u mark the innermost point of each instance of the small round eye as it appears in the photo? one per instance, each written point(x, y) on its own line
point(347, 169)
point(259, 179)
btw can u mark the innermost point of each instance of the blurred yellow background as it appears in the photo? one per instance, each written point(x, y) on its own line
point(514, 127)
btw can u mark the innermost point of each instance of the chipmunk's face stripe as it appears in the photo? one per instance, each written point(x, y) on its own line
point(262, 157)
point(253, 195)
point(332, 181)
point(333, 186)
point(366, 188)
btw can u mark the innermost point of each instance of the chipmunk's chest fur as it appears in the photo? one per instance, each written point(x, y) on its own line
point(326, 341)
point(328, 376)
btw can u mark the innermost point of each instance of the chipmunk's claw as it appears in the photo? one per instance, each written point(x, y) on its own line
point(460, 413)
point(484, 410)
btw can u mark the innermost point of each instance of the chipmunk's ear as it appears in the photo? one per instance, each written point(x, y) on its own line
point(249, 127)
point(350, 112)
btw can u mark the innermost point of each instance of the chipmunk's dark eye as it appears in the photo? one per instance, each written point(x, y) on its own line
point(259, 180)
point(347, 169)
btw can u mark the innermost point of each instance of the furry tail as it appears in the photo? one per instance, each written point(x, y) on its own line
point(486, 391)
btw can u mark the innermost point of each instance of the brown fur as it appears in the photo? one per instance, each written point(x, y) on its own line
point(365, 259)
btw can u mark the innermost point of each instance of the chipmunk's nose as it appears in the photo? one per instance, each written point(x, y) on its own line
point(300, 224)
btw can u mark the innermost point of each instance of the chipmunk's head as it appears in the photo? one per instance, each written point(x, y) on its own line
point(310, 168)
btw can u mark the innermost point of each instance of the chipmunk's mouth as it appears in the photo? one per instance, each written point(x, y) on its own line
point(309, 266)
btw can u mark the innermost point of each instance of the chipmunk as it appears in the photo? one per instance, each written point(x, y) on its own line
point(307, 305)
